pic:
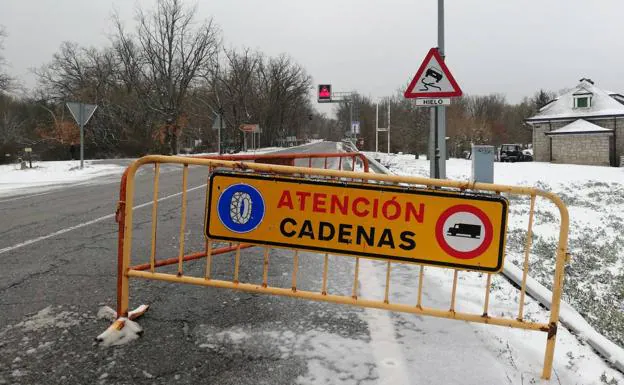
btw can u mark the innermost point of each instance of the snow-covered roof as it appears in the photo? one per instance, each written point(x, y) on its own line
point(582, 91)
point(603, 103)
point(580, 126)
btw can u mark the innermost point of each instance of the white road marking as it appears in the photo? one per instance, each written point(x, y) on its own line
point(391, 363)
point(96, 220)
point(25, 196)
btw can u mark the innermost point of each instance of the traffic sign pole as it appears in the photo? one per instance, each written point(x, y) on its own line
point(220, 128)
point(81, 117)
point(82, 113)
point(388, 127)
point(377, 128)
point(382, 129)
point(432, 85)
point(440, 129)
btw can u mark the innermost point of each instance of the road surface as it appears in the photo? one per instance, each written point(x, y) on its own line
point(52, 288)
point(58, 254)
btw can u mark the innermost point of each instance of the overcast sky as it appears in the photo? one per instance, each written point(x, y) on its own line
point(374, 47)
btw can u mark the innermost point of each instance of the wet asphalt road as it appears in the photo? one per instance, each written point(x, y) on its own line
point(51, 290)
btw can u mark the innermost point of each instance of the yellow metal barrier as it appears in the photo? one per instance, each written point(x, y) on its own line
point(149, 270)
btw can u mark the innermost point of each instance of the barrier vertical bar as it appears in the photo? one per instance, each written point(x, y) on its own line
point(355, 278)
point(265, 268)
point(486, 303)
point(454, 291)
point(387, 293)
point(421, 277)
point(326, 262)
point(365, 164)
point(208, 272)
point(124, 240)
point(236, 263)
point(154, 216)
point(527, 251)
point(295, 268)
point(183, 219)
point(325, 164)
point(208, 258)
point(562, 251)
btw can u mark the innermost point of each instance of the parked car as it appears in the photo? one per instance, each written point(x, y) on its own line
point(513, 153)
point(528, 154)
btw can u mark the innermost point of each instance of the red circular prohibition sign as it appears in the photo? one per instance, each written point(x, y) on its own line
point(489, 235)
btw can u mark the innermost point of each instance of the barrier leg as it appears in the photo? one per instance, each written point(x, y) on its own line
point(122, 278)
point(562, 257)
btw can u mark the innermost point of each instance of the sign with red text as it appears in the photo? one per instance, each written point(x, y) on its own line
point(435, 227)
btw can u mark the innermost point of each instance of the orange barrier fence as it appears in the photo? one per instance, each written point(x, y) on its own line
point(357, 202)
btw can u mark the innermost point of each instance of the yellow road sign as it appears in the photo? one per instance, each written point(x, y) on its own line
point(465, 231)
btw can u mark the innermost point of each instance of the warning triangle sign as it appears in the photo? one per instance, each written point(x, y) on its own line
point(433, 79)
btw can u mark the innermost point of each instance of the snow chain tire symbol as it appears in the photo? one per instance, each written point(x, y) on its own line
point(240, 208)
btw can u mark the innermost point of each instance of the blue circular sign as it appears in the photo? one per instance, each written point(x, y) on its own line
point(240, 208)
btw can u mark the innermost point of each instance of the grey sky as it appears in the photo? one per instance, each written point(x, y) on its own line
point(375, 47)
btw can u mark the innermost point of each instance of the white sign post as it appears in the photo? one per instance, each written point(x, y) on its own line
point(218, 124)
point(81, 113)
point(382, 129)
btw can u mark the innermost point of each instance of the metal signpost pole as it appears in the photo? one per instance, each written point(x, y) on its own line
point(432, 146)
point(351, 119)
point(433, 73)
point(81, 118)
point(441, 110)
point(388, 127)
point(377, 128)
point(220, 129)
point(82, 113)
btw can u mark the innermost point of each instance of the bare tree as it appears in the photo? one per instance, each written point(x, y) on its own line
point(542, 98)
point(10, 122)
point(6, 81)
point(233, 88)
point(166, 57)
point(247, 87)
point(283, 97)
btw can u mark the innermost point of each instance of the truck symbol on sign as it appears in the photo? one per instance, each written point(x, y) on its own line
point(465, 230)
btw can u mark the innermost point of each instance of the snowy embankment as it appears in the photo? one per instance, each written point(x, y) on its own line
point(46, 175)
point(595, 199)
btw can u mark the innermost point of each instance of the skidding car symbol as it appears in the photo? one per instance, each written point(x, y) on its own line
point(464, 229)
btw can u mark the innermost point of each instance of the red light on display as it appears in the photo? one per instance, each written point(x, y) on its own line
point(324, 93)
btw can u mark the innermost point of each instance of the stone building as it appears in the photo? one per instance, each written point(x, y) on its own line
point(582, 126)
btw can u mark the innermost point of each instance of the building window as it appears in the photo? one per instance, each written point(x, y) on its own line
point(582, 102)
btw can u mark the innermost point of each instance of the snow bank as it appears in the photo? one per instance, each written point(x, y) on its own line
point(578, 185)
point(570, 318)
point(44, 175)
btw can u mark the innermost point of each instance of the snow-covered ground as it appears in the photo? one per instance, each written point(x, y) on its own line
point(594, 278)
point(46, 175)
